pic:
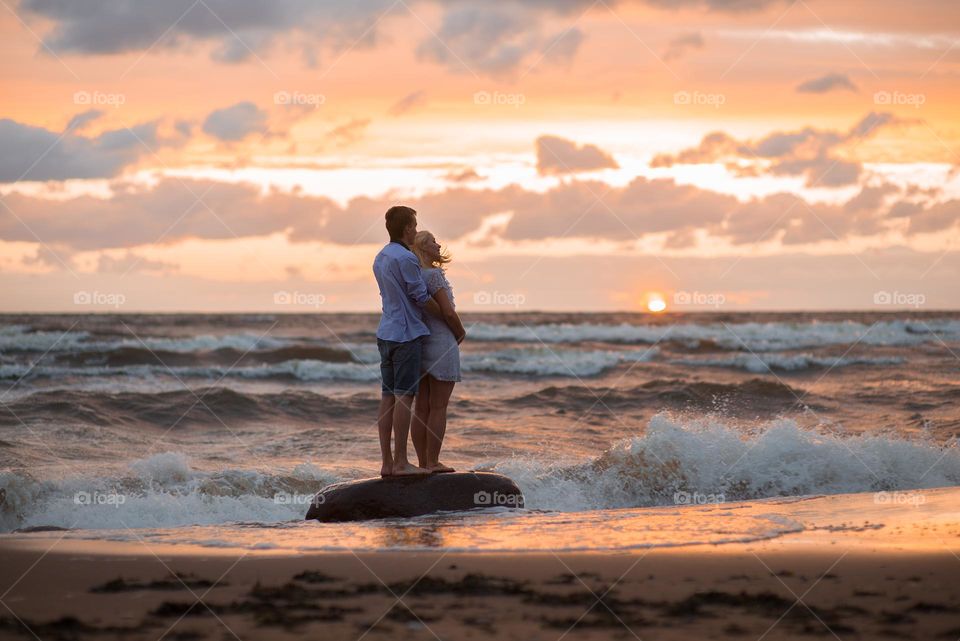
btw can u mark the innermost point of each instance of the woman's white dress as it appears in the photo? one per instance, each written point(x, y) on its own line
point(441, 354)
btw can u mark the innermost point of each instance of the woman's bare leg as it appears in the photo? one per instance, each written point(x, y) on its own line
point(440, 392)
point(418, 427)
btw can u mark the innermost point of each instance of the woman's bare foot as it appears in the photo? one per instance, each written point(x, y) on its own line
point(386, 470)
point(408, 469)
point(439, 468)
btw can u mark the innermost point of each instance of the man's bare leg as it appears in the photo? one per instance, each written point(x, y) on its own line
point(402, 410)
point(440, 392)
point(385, 427)
point(418, 428)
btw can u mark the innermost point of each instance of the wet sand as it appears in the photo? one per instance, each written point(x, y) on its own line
point(868, 581)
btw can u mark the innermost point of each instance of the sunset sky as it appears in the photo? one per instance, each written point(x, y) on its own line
point(238, 155)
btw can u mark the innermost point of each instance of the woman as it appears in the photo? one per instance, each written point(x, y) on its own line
point(440, 358)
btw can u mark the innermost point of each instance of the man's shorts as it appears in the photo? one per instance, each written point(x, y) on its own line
point(400, 366)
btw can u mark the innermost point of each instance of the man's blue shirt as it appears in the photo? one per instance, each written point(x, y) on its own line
point(402, 292)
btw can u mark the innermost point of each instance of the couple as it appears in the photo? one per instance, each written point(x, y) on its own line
point(418, 338)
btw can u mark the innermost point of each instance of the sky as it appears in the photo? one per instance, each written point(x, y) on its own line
point(239, 155)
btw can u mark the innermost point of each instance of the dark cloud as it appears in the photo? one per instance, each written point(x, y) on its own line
point(829, 82)
point(408, 102)
point(170, 212)
point(83, 119)
point(559, 156)
point(234, 123)
point(482, 37)
point(34, 153)
point(810, 153)
point(130, 262)
point(49, 257)
point(496, 40)
point(167, 212)
point(576, 209)
point(726, 6)
point(562, 48)
point(238, 28)
point(644, 206)
point(474, 40)
point(681, 45)
point(928, 219)
point(871, 198)
point(794, 221)
point(348, 133)
point(462, 176)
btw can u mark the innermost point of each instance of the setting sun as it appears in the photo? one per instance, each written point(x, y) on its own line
point(656, 304)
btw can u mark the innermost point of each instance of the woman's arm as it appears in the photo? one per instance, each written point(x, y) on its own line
point(450, 315)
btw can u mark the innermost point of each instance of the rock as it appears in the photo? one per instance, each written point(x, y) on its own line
point(406, 496)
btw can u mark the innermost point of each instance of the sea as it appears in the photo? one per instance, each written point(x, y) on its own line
point(216, 430)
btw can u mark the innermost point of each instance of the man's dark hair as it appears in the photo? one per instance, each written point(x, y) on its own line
point(398, 217)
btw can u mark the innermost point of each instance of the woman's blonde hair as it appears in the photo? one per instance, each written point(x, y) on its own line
point(419, 241)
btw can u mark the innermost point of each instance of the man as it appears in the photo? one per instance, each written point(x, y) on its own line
point(404, 296)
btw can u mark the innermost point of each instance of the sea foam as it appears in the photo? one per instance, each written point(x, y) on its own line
point(673, 462)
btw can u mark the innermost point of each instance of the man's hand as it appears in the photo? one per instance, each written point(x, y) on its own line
point(461, 338)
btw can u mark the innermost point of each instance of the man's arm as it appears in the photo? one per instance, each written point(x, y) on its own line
point(415, 286)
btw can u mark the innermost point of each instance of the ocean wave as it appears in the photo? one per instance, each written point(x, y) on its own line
point(691, 336)
point(673, 462)
point(752, 397)
point(25, 338)
point(676, 461)
point(550, 362)
point(530, 361)
point(772, 336)
point(760, 364)
point(216, 404)
point(208, 406)
point(160, 491)
point(223, 356)
point(296, 370)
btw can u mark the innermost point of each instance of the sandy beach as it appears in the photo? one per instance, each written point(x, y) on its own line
point(854, 578)
point(465, 320)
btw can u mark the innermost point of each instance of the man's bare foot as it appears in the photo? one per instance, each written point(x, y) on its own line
point(439, 468)
point(408, 469)
point(386, 470)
